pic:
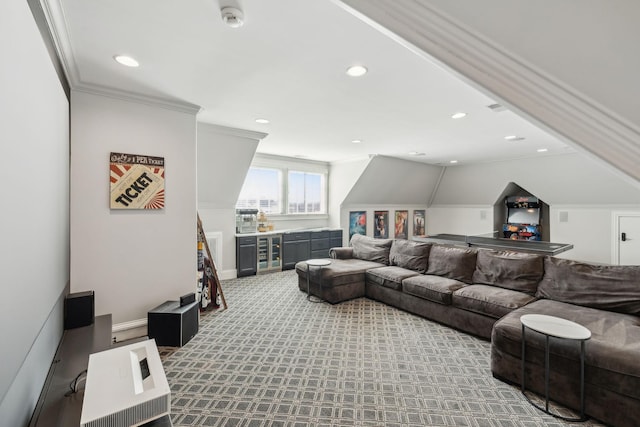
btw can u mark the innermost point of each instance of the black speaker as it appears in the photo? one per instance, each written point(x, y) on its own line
point(173, 325)
point(187, 299)
point(79, 309)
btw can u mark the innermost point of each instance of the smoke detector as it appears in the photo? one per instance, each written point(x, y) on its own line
point(232, 17)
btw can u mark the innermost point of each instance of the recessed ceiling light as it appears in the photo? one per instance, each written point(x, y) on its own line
point(453, 161)
point(262, 121)
point(357, 70)
point(126, 60)
point(542, 150)
point(356, 141)
point(513, 138)
point(458, 115)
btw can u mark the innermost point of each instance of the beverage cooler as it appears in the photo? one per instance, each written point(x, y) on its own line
point(269, 253)
point(523, 218)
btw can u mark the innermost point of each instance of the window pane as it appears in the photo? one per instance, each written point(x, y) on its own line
point(306, 192)
point(261, 190)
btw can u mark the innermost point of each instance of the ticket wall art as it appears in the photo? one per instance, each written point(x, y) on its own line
point(402, 224)
point(419, 223)
point(381, 224)
point(357, 223)
point(137, 181)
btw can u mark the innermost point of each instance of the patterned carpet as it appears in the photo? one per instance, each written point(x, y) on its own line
point(275, 359)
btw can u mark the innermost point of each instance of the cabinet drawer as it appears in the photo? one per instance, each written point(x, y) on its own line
point(322, 253)
point(247, 240)
point(317, 244)
point(336, 234)
point(320, 234)
point(288, 237)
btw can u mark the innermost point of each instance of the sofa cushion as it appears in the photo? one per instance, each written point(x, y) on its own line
point(452, 262)
point(370, 249)
point(433, 288)
point(341, 253)
point(339, 272)
point(409, 254)
point(517, 271)
point(607, 287)
point(611, 353)
point(389, 277)
point(491, 301)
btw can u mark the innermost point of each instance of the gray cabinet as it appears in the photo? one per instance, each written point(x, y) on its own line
point(335, 239)
point(320, 244)
point(246, 256)
point(295, 247)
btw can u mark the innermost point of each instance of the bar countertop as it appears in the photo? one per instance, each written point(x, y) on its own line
point(531, 246)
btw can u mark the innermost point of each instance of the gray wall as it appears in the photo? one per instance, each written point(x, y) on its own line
point(34, 170)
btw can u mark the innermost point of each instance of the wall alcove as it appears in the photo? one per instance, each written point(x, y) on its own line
point(502, 213)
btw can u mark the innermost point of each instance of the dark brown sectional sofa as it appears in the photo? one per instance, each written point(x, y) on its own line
point(484, 292)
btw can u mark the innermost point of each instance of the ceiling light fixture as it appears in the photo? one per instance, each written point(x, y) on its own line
point(459, 115)
point(232, 17)
point(126, 60)
point(357, 70)
point(453, 162)
point(262, 121)
point(542, 150)
point(356, 141)
point(513, 138)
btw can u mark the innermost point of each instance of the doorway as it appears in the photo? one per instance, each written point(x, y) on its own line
point(626, 238)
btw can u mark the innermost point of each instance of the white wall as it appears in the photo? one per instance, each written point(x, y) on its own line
point(394, 181)
point(34, 170)
point(562, 179)
point(587, 190)
point(463, 219)
point(224, 157)
point(342, 177)
point(134, 260)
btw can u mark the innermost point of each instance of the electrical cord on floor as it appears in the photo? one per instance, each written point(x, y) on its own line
point(73, 385)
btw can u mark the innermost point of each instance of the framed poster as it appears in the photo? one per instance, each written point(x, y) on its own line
point(357, 223)
point(402, 224)
point(137, 181)
point(418, 223)
point(381, 224)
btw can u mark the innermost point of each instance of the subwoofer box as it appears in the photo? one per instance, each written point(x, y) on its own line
point(172, 325)
point(79, 309)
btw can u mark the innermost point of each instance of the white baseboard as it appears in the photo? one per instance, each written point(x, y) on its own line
point(228, 274)
point(129, 330)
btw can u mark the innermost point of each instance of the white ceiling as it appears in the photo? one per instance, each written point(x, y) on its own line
point(287, 64)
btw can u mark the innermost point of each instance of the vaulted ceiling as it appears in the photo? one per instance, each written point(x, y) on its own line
point(288, 64)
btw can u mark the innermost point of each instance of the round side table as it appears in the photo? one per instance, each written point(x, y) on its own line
point(319, 263)
point(556, 327)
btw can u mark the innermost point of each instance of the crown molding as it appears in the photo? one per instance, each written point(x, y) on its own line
point(170, 104)
point(528, 91)
point(225, 130)
point(57, 22)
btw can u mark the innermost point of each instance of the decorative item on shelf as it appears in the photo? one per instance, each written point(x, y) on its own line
point(262, 222)
point(270, 226)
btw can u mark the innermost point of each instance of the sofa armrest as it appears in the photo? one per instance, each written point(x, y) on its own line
point(341, 253)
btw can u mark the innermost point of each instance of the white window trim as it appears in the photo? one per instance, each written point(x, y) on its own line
point(285, 164)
